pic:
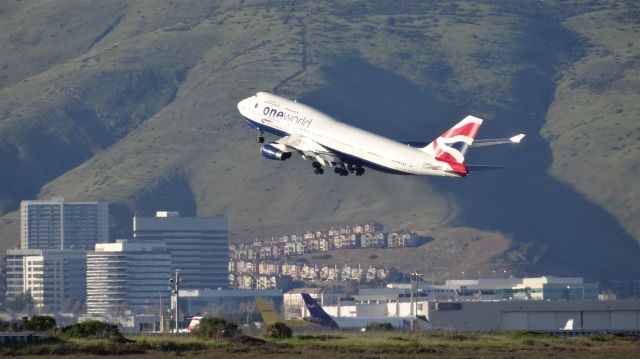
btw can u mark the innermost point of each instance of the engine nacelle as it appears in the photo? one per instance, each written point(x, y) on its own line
point(274, 153)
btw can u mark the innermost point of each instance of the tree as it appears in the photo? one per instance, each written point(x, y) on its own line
point(215, 328)
point(93, 329)
point(39, 323)
point(277, 330)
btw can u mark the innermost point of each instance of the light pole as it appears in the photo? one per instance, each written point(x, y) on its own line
point(175, 280)
point(414, 299)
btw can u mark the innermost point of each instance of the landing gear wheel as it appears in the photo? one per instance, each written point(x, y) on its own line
point(260, 139)
point(318, 171)
point(316, 164)
point(359, 171)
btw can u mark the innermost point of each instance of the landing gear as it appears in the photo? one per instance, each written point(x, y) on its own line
point(345, 169)
point(341, 171)
point(260, 138)
point(317, 168)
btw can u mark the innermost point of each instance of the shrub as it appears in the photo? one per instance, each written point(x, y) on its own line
point(93, 329)
point(39, 323)
point(379, 327)
point(215, 328)
point(277, 330)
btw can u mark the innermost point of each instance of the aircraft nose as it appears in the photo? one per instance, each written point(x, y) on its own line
point(242, 105)
point(245, 105)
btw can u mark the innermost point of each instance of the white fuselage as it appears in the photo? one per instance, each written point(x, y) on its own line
point(363, 322)
point(281, 115)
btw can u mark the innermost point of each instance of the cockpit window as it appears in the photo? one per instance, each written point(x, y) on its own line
point(256, 106)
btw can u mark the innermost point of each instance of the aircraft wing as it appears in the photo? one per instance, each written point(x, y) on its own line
point(497, 141)
point(476, 143)
point(308, 148)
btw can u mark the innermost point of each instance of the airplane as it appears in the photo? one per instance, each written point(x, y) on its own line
point(195, 321)
point(270, 316)
point(319, 316)
point(347, 149)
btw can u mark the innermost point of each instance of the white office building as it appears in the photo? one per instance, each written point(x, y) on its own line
point(15, 270)
point(199, 246)
point(57, 224)
point(127, 276)
point(55, 279)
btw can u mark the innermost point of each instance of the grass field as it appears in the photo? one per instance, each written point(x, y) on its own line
point(349, 345)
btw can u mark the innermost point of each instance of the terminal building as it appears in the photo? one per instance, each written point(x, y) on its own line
point(199, 246)
point(559, 315)
point(127, 277)
point(538, 288)
point(538, 304)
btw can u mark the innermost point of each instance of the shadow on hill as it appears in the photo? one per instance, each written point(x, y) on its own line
point(171, 194)
point(51, 139)
point(564, 233)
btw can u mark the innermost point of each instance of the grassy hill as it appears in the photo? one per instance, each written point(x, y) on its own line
point(134, 103)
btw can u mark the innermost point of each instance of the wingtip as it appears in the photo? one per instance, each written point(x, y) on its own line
point(517, 138)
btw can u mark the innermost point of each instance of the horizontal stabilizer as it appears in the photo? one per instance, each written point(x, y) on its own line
point(484, 167)
point(498, 141)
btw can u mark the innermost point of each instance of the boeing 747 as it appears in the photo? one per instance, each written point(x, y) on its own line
point(347, 149)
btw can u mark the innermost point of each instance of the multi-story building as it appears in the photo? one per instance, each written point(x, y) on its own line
point(57, 224)
point(127, 275)
point(15, 271)
point(199, 246)
point(55, 279)
point(372, 240)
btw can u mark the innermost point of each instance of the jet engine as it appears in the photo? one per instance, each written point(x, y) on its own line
point(274, 153)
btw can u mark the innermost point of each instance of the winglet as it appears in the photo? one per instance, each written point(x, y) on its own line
point(517, 138)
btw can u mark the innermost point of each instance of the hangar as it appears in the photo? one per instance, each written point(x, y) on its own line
point(589, 315)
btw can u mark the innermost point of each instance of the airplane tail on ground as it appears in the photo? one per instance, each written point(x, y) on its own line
point(318, 314)
point(568, 325)
point(452, 145)
point(195, 321)
point(266, 311)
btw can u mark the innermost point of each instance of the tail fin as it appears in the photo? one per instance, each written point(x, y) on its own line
point(266, 311)
point(318, 314)
point(568, 325)
point(452, 145)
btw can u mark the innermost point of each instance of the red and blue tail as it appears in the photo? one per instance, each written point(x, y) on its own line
point(452, 145)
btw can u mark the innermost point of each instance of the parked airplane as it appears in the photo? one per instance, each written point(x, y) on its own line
point(195, 321)
point(270, 316)
point(319, 316)
point(327, 142)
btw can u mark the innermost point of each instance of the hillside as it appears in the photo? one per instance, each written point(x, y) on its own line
point(134, 103)
point(453, 253)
